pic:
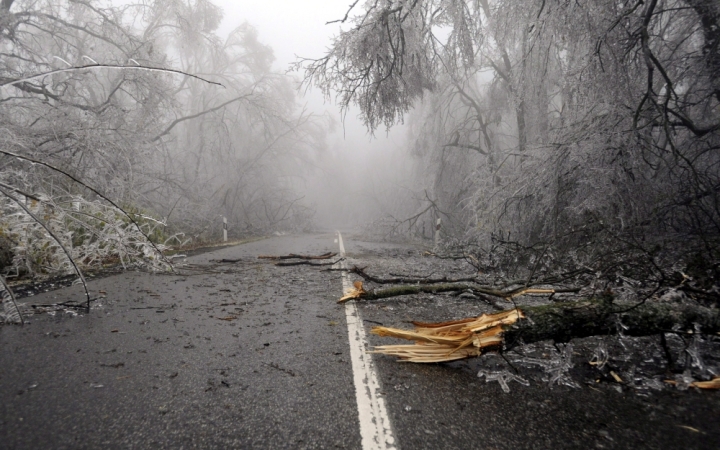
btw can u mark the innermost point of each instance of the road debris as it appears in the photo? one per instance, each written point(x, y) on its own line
point(712, 384)
point(448, 341)
point(503, 378)
point(413, 289)
point(355, 292)
point(281, 369)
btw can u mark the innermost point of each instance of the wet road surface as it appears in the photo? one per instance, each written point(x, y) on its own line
point(251, 355)
point(254, 357)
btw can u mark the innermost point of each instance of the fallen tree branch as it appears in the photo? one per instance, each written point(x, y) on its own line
point(395, 291)
point(294, 256)
point(559, 322)
point(404, 280)
point(452, 257)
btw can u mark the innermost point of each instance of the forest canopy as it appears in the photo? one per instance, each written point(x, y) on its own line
point(128, 127)
point(585, 133)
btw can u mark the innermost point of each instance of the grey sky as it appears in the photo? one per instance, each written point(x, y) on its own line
point(355, 159)
point(289, 27)
point(299, 28)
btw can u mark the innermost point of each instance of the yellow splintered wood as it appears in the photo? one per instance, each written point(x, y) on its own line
point(712, 384)
point(415, 336)
point(427, 353)
point(448, 341)
point(355, 292)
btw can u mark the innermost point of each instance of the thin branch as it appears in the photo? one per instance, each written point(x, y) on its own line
point(55, 238)
point(347, 14)
point(106, 66)
point(95, 191)
point(12, 299)
point(193, 116)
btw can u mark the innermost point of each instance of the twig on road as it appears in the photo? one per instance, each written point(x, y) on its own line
point(281, 369)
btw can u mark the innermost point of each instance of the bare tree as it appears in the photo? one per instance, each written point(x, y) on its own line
point(109, 111)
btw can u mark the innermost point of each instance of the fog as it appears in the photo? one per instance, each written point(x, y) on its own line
point(351, 175)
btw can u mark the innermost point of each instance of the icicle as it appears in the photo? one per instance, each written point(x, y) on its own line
point(621, 328)
point(503, 377)
point(600, 356)
point(694, 352)
point(556, 367)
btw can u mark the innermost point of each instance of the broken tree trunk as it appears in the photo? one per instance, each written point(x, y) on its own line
point(563, 321)
point(559, 322)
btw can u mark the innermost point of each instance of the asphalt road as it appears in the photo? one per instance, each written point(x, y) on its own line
point(250, 355)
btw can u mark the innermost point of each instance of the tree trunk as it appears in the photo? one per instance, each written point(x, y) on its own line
point(561, 322)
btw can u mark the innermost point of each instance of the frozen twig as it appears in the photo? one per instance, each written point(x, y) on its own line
point(503, 378)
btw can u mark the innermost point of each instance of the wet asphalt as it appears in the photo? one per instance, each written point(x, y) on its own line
point(251, 355)
point(256, 357)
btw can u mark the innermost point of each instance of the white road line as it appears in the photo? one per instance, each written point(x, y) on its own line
point(375, 429)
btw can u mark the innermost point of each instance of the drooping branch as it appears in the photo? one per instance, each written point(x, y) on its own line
point(104, 66)
point(201, 113)
point(95, 191)
point(7, 296)
point(55, 238)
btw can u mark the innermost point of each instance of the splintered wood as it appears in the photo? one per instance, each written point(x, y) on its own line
point(448, 341)
point(355, 292)
point(712, 384)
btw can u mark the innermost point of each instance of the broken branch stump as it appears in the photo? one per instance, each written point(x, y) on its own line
point(560, 322)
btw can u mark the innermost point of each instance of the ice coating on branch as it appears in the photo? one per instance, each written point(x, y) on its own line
point(694, 352)
point(503, 377)
point(600, 355)
point(683, 380)
point(621, 328)
point(556, 367)
point(9, 312)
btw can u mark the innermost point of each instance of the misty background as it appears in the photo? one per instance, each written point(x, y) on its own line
point(359, 170)
point(576, 135)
